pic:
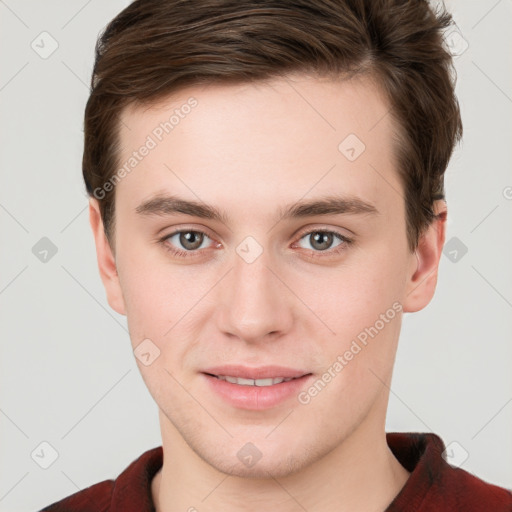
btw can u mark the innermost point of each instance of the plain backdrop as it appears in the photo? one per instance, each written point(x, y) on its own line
point(68, 374)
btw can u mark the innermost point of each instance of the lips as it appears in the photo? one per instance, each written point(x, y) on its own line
point(255, 373)
point(255, 394)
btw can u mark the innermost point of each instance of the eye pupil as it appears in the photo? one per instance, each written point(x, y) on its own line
point(321, 240)
point(189, 240)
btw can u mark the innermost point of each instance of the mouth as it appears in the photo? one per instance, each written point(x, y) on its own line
point(256, 389)
point(241, 381)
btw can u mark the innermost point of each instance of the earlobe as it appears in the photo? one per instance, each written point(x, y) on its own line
point(421, 283)
point(106, 260)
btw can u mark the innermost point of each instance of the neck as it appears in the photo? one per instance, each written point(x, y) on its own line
point(359, 474)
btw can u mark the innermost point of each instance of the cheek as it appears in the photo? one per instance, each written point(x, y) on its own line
point(155, 302)
point(353, 295)
point(360, 303)
point(363, 310)
point(163, 304)
point(148, 305)
point(151, 295)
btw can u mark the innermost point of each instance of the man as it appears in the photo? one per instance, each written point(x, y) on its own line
point(266, 183)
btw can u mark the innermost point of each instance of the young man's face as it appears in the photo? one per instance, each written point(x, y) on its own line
point(260, 289)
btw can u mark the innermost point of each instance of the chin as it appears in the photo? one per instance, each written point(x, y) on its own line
point(261, 458)
point(274, 467)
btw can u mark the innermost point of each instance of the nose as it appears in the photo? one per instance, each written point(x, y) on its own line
point(254, 303)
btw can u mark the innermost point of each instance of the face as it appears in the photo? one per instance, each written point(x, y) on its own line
point(267, 281)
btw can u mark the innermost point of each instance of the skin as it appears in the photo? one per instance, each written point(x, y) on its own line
point(249, 150)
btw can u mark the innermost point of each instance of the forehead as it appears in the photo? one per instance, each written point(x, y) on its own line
point(251, 143)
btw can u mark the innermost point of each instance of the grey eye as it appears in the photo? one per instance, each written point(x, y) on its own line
point(321, 240)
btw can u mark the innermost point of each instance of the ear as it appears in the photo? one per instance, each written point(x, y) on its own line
point(106, 260)
point(422, 280)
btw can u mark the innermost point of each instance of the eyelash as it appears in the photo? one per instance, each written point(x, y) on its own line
point(315, 254)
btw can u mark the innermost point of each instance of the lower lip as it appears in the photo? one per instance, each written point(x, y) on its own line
point(257, 398)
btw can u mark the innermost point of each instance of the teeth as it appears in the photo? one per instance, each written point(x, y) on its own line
point(253, 382)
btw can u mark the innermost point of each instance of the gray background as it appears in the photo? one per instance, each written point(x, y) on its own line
point(68, 375)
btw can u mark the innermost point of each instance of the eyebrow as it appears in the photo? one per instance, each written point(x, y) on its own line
point(162, 205)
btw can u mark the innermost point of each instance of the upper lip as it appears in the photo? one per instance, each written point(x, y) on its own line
point(261, 372)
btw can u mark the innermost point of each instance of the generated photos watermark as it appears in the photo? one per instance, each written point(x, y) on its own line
point(152, 140)
point(305, 396)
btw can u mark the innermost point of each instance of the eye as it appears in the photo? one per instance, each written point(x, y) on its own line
point(322, 241)
point(186, 242)
point(189, 242)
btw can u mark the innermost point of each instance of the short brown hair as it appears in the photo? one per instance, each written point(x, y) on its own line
point(153, 48)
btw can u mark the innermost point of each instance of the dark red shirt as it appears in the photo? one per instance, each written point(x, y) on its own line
point(433, 486)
